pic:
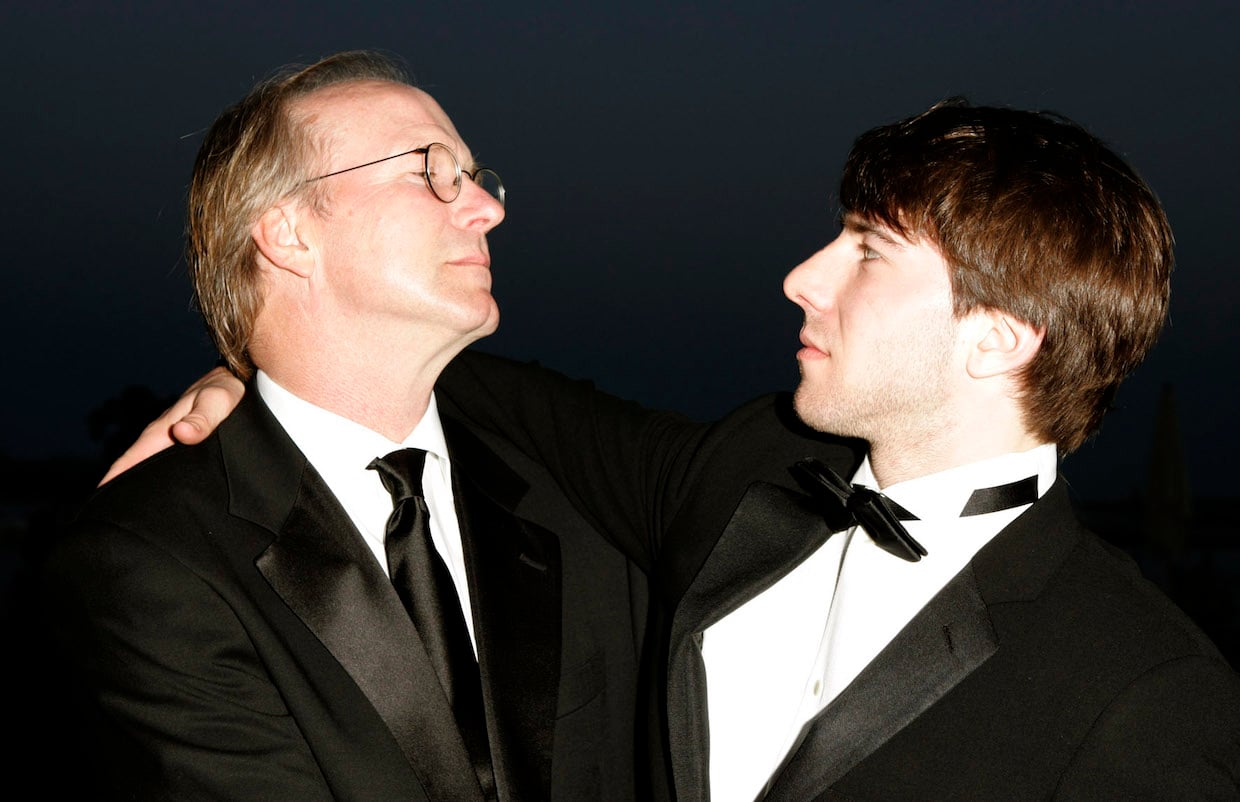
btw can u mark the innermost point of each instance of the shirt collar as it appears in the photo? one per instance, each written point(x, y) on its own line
point(944, 494)
point(334, 443)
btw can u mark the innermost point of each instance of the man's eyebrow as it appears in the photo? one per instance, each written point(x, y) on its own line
point(860, 225)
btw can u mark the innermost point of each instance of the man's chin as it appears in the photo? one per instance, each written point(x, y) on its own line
point(487, 324)
point(490, 327)
point(814, 408)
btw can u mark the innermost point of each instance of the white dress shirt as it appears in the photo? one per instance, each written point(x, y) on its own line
point(340, 449)
point(776, 661)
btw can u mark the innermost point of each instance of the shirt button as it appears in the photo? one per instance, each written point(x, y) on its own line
point(817, 687)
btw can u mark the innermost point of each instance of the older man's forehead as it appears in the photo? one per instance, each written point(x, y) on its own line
point(381, 115)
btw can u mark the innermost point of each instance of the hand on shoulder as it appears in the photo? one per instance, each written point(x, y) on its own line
point(197, 413)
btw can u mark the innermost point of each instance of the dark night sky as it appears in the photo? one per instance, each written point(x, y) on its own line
point(667, 164)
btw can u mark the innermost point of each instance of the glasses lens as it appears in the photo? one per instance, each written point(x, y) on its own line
point(489, 181)
point(443, 172)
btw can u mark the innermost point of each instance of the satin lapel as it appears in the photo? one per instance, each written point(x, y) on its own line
point(321, 568)
point(771, 531)
point(943, 644)
point(514, 579)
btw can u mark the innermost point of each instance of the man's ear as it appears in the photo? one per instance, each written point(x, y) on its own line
point(278, 233)
point(1002, 343)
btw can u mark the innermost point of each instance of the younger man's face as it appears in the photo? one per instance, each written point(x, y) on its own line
point(881, 344)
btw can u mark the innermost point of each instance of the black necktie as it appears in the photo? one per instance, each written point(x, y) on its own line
point(425, 587)
point(880, 517)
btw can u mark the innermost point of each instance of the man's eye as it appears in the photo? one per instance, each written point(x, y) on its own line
point(868, 253)
point(444, 178)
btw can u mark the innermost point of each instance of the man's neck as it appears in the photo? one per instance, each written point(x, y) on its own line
point(376, 372)
point(387, 400)
point(893, 463)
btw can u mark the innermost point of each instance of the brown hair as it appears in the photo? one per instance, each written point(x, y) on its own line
point(252, 156)
point(1036, 217)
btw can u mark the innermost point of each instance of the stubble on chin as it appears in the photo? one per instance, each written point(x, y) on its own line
point(816, 408)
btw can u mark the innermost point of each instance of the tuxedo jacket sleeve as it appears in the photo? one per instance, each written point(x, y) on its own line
point(636, 473)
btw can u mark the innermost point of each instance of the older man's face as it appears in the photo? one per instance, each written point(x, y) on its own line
point(390, 251)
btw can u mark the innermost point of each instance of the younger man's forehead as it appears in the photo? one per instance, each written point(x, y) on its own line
point(897, 232)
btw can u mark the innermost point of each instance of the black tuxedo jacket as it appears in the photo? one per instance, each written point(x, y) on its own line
point(1048, 668)
point(237, 639)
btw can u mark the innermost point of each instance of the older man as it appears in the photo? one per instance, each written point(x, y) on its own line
point(344, 594)
point(958, 635)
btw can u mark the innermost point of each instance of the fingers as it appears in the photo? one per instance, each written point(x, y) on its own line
point(194, 416)
point(154, 438)
point(216, 395)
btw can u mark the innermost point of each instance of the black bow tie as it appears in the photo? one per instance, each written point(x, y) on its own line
point(847, 504)
point(871, 510)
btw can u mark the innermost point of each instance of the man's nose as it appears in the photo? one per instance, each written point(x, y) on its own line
point(806, 285)
point(476, 209)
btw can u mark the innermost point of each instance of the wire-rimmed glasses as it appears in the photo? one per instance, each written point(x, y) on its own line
point(442, 173)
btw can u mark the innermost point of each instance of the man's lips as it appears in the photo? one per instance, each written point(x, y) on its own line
point(810, 350)
point(480, 259)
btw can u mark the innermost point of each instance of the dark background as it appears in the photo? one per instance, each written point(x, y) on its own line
point(667, 163)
